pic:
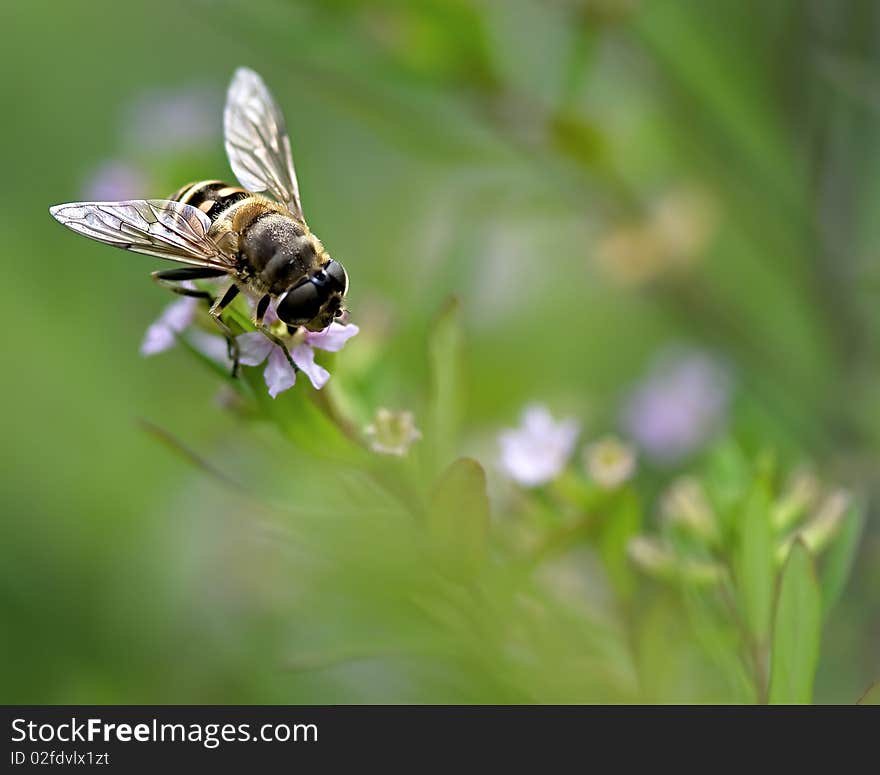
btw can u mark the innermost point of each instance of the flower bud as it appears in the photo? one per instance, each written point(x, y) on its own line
point(818, 532)
point(392, 433)
point(652, 556)
point(684, 220)
point(658, 559)
point(686, 505)
point(800, 495)
point(610, 462)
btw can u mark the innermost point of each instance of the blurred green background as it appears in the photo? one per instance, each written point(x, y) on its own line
point(515, 153)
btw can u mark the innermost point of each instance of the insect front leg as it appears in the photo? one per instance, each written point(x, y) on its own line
point(233, 351)
point(280, 343)
point(259, 314)
point(260, 310)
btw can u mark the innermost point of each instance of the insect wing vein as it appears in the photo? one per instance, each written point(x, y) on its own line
point(256, 141)
point(156, 227)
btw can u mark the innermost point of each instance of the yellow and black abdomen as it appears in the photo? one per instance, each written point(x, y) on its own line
point(212, 197)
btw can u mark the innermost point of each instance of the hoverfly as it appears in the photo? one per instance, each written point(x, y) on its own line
point(261, 244)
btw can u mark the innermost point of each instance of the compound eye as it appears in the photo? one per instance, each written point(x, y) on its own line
point(336, 272)
point(300, 304)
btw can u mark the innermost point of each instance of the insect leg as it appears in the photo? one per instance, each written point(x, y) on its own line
point(260, 311)
point(259, 314)
point(170, 279)
point(277, 341)
point(232, 349)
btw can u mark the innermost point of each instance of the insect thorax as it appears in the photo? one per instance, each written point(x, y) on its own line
point(274, 249)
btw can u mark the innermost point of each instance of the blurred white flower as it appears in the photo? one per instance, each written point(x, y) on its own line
point(113, 180)
point(392, 433)
point(610, 462)
point(681, 403)
point(537, 451)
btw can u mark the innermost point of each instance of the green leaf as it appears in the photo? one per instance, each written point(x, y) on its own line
point(728, 475)
point(796, 631)
point(622, 522)
point(839, 558)
point(301, 421)
point(871, 696)
point(458, 516)
point(753, 561)
point(446, 402)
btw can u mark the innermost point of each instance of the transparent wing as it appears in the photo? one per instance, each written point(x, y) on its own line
point(155, 227)
point(256, 140)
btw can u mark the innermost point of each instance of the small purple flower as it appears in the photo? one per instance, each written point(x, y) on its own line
point(114, 180)
point(681, 403)
point(537, 451)
point(175, 318)
point(256, 348)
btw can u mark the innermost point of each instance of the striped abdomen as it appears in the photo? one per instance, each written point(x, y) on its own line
point(212, 197)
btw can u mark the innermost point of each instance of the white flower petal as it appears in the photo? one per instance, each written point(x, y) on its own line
point(304, 357)
point(254, 348)
point(537, 451)
point(279, 374)
point(211, 346)
point(333, 338)
point(537, 420)
point(174, 318)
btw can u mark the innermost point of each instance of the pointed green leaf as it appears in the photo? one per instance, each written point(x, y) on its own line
point(622, 522)
point(446, 402)
point(458, 516)
point(839, 558)
point(728, 475)
point(796, 631)
point(871, 696)
point(753, 561)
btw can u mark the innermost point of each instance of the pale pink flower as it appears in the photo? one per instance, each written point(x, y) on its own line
point(255, 348)
point(679, 406)
point(175, 318)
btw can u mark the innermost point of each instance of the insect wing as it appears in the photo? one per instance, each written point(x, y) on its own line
point(155, 227)
point(256, 140)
